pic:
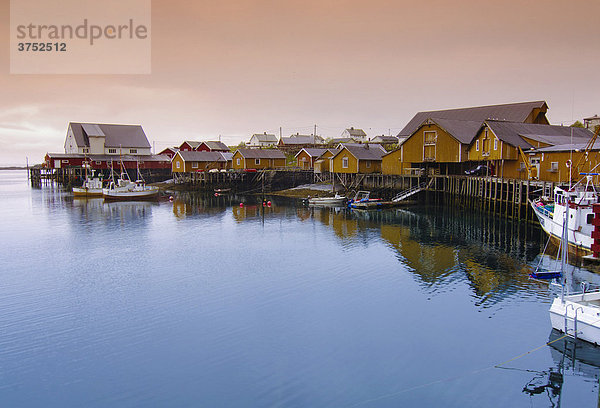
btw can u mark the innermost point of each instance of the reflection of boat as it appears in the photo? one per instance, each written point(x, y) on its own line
point(550, 213)
point(363, 201)
point(333, 201)
point(125, 189)
point(579, 352)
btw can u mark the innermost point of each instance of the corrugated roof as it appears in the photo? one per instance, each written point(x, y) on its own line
point(356, 132)
point(363, 145)
point(302, 140)
point(312, 151)
point(262, 154)
point(192, 143)
point(568, 147)
point(385, 139)
point(365, 153)
point(227, 155)
point(125, 136)
point(195, 156)
point(462, 130)
point(511, 133)
point(513, 112)
point(91, 129)
point(262, 137)
point(215, 145)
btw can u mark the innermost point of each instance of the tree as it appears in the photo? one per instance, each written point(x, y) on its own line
point(577, 124)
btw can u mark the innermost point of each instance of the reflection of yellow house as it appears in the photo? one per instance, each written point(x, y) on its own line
point(358, 159)
point(498, 142)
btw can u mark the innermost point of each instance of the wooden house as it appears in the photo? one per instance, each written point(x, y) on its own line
point(262, 140)
point(106, 139)
point(260, 159)
point(358, 135)
point(169, 152)
point(323, 163)
point(498, 142)
point(561, 163)
point(104, 161)
point(437, 144)
point(355, 159)
point(212, 146)
point(189, 145)
point(191, 161)
point(306, 158)
point(297, 142)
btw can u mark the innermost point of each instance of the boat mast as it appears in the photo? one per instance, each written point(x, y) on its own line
point(564, 249)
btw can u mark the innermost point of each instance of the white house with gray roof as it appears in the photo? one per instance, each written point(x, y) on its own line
point(262, 140)
point(358, 135)
point(106, 139)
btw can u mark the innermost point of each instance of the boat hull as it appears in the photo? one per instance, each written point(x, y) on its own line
point(87, 192)
point(130, 195)
point(583, 311)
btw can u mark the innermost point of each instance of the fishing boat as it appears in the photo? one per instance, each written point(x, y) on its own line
point(575, 314)
point(125, 189)
point(550, 213)
point(91, 187)
point(331, 201)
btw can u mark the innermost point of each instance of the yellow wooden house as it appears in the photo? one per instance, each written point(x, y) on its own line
point(259, 159)
point(192, 161)
point(306, 158)
point(358, 159)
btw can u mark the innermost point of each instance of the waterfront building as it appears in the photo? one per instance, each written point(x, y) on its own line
point(357, 135)
point(591, 122)
point(296, 142)
point(189, 145)
point(306, 157)
point(106, 139)
point(212, 146)
point(194, 161)
point(323, 163)
point(169, 151)
point(259, 159)
point(358, 159)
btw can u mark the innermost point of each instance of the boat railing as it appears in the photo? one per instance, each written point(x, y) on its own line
point(544, 211)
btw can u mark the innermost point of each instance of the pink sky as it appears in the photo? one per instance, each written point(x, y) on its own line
point(233, 68)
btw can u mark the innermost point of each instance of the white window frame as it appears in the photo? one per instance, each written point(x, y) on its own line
point(344, 162)
point(132, 150)
point(477, 145)
point(553, 166)
point(257, 162)
point(495, 143)
point(86, 149)
point(114, 151)
point(237, 161)
point(194, 165)
point(178, 164)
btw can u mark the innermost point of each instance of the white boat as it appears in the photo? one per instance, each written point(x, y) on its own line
point(335, 200)
point(92, 187)
point(575, 314)
point(550, 213)
point(125, 189)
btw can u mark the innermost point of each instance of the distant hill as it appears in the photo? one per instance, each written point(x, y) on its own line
point(13, 168)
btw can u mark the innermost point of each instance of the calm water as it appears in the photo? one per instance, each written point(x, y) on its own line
point(202, 303)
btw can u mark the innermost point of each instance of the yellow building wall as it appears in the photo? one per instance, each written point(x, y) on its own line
point(264, 164)
point(352, 163)
point(177, 164)
point(392, 163)
point(447, 148)
point(374, 167)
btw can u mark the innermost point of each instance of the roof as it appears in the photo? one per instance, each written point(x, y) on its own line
point(171, 149)
point(343, 140)
point(513, 112)
point(192, 143)
point(363, 152)
point(512, 133)
point(302, 140)
point(312, 151)
point(363, 145)
point(227, 155)
point(195, 156)
point(574, 147)
point(261, 153)
point(356, 132)
point(213, 145)
point(462, 130)
point(126, 136)
point(264, 137)
point(592, 117)
point(385, 139)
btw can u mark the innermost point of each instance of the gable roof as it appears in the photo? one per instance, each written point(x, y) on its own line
point(362, 145)
point(261, 153)
point(312, 151)
point(512, 133)
point(215, 145)
point(195, 156)
point(384, 139)
point(364, 152)
point(513, 112)
point(462, 130)
point(264, 137)
point(115, 136)
point(192, 143)
point(356, 132)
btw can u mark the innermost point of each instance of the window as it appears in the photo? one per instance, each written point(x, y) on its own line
point(590, 217)
point(477, 145)
point(554, 167)
point(132, 150)
point(344, 163)
point(237, 161)
point(257, 161)
point(495, 144)
point(86, 150)
point(368, 164)
point(65, 161)
point(98, 162)
point(429, 140)
point(112, 150)
point(194, 165)
point(177, 165)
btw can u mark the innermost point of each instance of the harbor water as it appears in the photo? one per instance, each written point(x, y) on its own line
point(205, 302)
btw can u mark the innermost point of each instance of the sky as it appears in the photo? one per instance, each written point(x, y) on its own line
point(228, 69)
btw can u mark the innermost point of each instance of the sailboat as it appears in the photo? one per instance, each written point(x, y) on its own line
point(91, 187)
point(125, 189)
point(575, 314)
